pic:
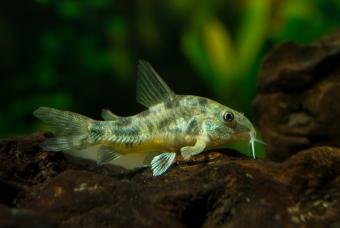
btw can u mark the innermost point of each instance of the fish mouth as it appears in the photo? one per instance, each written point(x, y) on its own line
point(246, 131)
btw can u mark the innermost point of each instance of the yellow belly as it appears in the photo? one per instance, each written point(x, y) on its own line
point(154, 144)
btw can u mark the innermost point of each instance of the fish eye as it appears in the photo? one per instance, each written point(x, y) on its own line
point(228, 116)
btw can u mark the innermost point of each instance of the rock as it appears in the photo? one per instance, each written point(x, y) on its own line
point(217, 188)
point(298, 105)
point(12, 217)
point(22, 163)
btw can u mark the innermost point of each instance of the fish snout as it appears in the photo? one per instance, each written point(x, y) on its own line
point(246, 128)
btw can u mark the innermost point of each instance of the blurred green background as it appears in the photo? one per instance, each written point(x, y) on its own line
point(81, 55)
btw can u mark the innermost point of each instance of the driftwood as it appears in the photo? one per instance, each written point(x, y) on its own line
point(297, 107)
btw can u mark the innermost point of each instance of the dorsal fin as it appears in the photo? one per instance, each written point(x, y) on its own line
point(151, 89)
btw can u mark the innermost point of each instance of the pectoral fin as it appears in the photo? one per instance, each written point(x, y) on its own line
point(189, 151)
point(106, 154)
point(162, 162)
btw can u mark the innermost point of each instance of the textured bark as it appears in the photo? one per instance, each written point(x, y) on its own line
point(298, 105)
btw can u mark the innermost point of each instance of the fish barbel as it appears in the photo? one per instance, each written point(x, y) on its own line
point(173, 124)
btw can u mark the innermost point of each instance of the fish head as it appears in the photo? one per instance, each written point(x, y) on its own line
point(225, 125)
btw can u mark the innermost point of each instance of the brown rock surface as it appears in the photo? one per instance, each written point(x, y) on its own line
point(13, 217)
point(298, 105)
point(216, 189)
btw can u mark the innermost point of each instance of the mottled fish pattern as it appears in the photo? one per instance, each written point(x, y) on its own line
point(173, 124)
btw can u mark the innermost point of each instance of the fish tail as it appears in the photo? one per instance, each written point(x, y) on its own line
point(72, 129)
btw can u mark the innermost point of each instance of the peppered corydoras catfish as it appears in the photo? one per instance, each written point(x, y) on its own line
point(172, 124)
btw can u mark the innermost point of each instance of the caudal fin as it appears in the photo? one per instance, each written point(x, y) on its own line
point(72, 129)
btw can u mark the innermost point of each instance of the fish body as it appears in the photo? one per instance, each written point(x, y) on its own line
point(173, 124)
